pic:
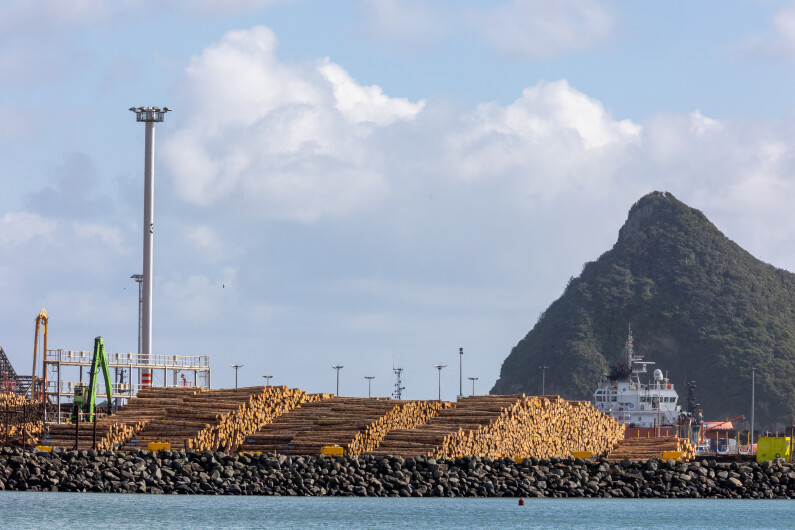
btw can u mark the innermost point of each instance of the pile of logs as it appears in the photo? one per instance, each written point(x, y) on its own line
point(539, 426)
point(350, 423)
point(404, 415)
point(646, 448)
point(116, 430)
point(20, 420)
point(219, 419)
point(242, 412)
point(513, 426)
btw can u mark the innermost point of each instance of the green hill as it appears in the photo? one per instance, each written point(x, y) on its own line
point(700, 306)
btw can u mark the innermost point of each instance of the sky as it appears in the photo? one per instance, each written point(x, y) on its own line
point(369, 183)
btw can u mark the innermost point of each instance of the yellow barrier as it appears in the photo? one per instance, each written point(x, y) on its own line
point(157, 446)
point(331, 450)
point(770, 447)
point(671, 455)
point(587, 455)
point(518, 460)
point(47, 448)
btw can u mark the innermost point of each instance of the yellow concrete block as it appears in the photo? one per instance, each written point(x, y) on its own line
point(671, 455)
point(582, 454)
point(158, 446)
point(47, 448)
point(331, 450)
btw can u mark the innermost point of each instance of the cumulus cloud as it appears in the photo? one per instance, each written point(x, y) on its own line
point(19, 227)
point(287, 140)
point(553, 135)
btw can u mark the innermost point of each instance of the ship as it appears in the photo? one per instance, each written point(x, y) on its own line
point(624, 395)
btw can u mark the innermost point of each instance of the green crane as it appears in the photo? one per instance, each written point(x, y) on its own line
point(86, 396)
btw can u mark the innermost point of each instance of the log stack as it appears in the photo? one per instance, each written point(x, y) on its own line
point(20, 419)
point(513, 426)
point(404, 415)
point(351, 423)
point(646, 448)
point(219, 419)
point(254, 408)
point(116, 430)
point(541, 427)
point(467, 414)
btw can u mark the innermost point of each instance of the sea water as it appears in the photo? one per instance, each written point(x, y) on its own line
point(111, 510)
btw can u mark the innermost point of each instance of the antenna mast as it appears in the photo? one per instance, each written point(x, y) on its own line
point(398, 385)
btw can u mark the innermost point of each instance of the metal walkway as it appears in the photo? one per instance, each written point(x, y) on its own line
point(64, 369)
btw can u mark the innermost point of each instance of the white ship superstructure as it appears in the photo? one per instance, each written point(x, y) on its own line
point(622, 395)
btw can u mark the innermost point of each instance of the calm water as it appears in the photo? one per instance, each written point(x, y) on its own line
point(70, 510)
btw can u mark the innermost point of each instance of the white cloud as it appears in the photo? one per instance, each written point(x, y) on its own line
point(778, 41)
point(108, 236)
point(287, 140)
point(539, 28)
point(551, 138)
point(366, 103)
point(18, 228)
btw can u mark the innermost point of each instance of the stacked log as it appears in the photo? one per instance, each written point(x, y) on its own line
point(116, 430)
point(540, 427)
point(646, 448)
point(346, 422)
point(466, 415)
point(402, 416)
point(21, 419)
point(262, 406)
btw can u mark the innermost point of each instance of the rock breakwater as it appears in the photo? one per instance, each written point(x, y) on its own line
point(252, 474)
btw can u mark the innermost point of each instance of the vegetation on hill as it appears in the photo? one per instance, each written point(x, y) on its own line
point(700, 306)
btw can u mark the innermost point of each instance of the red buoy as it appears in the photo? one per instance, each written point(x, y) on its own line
point(521, 501)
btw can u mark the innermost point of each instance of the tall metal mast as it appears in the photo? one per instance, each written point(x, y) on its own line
point(148, 115)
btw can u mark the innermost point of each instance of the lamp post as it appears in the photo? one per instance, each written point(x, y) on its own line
point(369, 384)
point(543, 379)
point(460, 372)
point(473, 379)
point(439, 367)
point(268, 379)
point(338, 367)
point(148, 115)
point(753, 392)
point(236, 367)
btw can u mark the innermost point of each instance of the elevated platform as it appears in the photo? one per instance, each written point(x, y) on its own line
point(64, 369)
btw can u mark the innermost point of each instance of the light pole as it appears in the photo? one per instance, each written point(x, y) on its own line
point(473, 379)
point(439, 367)
point(338, 367)
point(460, 372)
point(236, 367)
point(753, 392)
point(148, 115)
point(543, 379)
point(268, 379)
point(369, 384)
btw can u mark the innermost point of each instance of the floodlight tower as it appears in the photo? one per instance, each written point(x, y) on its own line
point(148, 115)
point(338, 367)
point(439, 367)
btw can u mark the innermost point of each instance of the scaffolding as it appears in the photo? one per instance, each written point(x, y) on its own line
point(60, 367)
point(10, 380)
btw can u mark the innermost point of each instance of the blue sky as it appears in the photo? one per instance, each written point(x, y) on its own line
point(373, 181)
